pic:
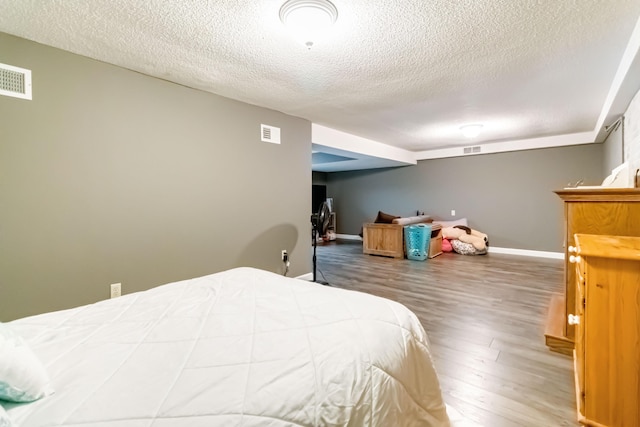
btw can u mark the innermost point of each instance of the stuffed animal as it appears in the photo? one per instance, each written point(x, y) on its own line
point(479, 240)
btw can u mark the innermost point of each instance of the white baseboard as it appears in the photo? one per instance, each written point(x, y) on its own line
point(348, 236)
point(526, 252)
point(308, 277)
point(492, 249)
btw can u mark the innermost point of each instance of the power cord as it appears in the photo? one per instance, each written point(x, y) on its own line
point(285, 260)
point(324, 278)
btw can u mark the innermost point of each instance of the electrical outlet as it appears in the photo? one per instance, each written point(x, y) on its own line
point(284, 256)
point(453, 212)
point(116, 290)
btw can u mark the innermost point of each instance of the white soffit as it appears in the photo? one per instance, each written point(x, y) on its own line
point(349, 160)
point(404, 73)
point(624, 86)
point(329, 137)
point(518, 145)
point(365, 153)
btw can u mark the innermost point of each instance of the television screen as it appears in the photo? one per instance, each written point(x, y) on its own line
point(318, 195)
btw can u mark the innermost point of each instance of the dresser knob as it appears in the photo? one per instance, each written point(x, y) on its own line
point(572, 249)
point(573, 259)
point(573, 319)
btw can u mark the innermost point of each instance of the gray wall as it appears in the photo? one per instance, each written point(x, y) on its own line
point(319, 178)
point(113, 176)
point(612, 151)
point(507, 195)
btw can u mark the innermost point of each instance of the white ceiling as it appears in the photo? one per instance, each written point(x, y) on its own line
point(407, 73)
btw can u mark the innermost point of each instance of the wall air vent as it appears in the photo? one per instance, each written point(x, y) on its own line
point(15, 82)
point(270, 134)
point(472, 150)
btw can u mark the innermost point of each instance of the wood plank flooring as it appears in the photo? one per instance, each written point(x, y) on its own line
point(484, 316)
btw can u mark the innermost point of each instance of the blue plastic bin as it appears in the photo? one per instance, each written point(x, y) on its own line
point(416, 241)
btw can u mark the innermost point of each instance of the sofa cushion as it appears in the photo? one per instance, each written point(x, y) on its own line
point(412, 220)
point(384, 218)
point(445, 224)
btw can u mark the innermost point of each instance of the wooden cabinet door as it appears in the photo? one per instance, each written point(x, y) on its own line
point(597, 343)
point(615, 217)
point(608, 334)
point(579, 336)
point(612, 342)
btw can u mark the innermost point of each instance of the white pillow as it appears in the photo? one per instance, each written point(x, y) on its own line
point(5, 421)
point(22, 376)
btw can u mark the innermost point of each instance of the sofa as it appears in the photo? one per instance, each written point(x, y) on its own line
point(385, 236)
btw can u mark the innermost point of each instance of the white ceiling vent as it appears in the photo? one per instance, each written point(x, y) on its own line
point(472, 150)
point(15, 81)
point(270, 134)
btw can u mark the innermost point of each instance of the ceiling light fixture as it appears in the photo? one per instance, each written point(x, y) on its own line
point(307, 20)
point(471, 131)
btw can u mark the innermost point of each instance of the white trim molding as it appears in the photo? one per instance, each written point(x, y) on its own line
point(526, 252)
point(308, 277)
point(348, 237)
point(492, 249)
point(514, 145)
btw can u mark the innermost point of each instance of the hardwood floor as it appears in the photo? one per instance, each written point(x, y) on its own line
point(484, 316)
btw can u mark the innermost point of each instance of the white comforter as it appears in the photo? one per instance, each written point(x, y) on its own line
point(239, 348)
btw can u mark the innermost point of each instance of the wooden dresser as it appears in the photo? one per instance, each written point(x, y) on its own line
point(612, 211)
point(607, 320)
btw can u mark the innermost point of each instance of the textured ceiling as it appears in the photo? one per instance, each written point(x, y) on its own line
point(407, 73)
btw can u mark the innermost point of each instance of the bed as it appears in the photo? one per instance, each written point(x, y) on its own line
point(243, 347)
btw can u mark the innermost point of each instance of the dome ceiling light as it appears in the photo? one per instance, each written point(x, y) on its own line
point(308, 20)
point(471, 131)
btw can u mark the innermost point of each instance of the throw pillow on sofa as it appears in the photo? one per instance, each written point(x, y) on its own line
point(385, 218)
